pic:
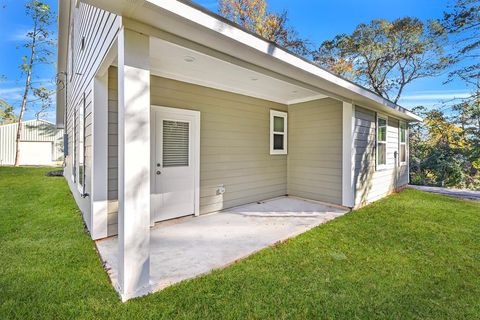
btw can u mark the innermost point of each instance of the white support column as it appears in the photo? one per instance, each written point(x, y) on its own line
point(133, 164)
point(99, 193)
point(348, 161)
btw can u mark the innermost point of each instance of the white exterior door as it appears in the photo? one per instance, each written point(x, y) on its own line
point(35, 153)
point(175, 164)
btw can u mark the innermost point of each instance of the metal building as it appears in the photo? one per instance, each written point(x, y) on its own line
point(41, 143)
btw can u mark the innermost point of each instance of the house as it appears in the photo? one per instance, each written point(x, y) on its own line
point(171, 110)
point(41, 144)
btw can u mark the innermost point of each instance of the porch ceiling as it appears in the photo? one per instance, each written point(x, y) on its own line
point(173, 61)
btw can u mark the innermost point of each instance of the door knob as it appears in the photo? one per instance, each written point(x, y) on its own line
point(158, 172)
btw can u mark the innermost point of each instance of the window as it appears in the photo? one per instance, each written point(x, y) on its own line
point(81, 146)
point(381, 142)
point(278, 132)
point(72, 50)
point(74, 146)
point(175, 143)
point(403, 143)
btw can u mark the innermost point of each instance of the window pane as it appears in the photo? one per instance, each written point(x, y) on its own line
point(278, 141)
point(382, 134)
point(278, 124)
point(382, 122)
point(80, 175)
point(402, 153)
point(175, 143)
point(382, 130)
point(402, 133)
point(382, 153)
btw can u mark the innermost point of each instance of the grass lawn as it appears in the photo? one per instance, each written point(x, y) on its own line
point(412, 255)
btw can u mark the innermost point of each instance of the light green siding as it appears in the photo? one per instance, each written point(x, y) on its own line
point(315, 150)
point(234, 143)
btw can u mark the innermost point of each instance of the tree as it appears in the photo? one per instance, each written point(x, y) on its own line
point(39, 44)
point(440, 152)
point(7, 115)
point(253, 16)
point(463, 24)
point(386, 56)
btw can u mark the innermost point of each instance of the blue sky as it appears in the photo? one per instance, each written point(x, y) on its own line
point(316, 20)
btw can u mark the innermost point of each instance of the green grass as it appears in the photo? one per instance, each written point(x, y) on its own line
point(412, 255)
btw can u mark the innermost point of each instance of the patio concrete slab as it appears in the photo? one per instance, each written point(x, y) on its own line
point(194, 246)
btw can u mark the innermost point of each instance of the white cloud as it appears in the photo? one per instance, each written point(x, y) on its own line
point(432, 98)
point(437, 96)
point(18, 35)
point(11, 94)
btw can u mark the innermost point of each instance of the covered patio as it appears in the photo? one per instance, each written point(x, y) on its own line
point(186, 248)
point(185, 112)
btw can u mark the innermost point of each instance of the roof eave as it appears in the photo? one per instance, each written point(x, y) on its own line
point(222, 29)
point(63, 26)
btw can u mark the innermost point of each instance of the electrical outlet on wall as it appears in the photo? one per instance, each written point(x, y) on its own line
point(220, 189)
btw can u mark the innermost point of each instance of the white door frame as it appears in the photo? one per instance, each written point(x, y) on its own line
point(196, 161)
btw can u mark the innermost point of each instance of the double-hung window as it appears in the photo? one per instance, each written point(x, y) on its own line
point(278, 132)
point(381, 142)
point(402, 143)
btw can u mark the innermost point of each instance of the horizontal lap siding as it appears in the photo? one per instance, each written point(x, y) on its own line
point(315, 150)
point(372, 184)
point(112, 184)
point(99, 29)
point(234, 143)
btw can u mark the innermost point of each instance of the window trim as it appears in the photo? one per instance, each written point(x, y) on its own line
point(400, 143)
point(284, 115)
point(385, 165)
point(81, 147)
point(74, 141)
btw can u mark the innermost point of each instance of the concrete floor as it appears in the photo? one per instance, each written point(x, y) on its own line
point(190, 247)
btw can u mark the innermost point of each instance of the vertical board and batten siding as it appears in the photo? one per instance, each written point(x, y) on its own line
point(372, 184)
point(34, 131)
point(98, 29)
point(315, 150)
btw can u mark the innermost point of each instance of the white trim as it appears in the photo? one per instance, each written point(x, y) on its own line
point(81, 146)
point(192, 22)
point(400, 143)
point(381, 166)
point(99, 170)
point(348, 156)
point(196, 114)
point(73, 165)
point(284, 115)
point(133, 162)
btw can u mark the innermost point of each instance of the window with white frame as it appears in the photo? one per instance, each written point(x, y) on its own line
point(403, 143)
point(278, 132)
point(74, 146)
point(81, 146)
point(381, 141)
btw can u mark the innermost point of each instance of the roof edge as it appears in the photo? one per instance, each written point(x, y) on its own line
point(236, 25)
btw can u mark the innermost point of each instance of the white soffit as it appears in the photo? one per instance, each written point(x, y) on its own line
point(172, 61)
point(186, 20)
